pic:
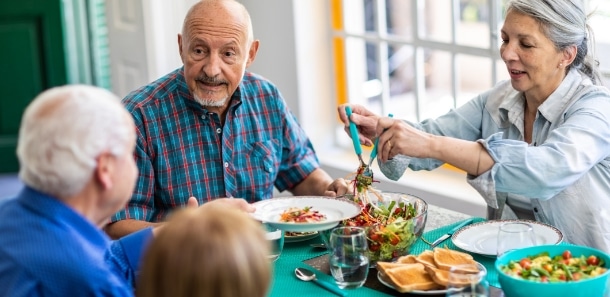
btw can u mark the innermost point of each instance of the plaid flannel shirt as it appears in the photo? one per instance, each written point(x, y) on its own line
point(183, 150)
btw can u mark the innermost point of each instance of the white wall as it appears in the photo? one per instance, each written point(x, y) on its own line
point(163, 20)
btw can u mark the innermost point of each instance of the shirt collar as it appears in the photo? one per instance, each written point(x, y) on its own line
point(552, 108)
point(61, 214)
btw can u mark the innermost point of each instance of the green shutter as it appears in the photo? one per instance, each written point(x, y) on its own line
point(86, 41)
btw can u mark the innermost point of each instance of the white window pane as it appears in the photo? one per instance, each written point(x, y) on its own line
point(600, 22)
point(356, 63)
point(501, 71)
point(435, 20)
point(359, 16)
point(473, 24)
point(401, 70)
point(438, 80)
point(474, 76)
point(400, 18)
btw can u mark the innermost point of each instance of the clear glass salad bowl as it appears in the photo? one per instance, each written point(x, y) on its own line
point(393, 221)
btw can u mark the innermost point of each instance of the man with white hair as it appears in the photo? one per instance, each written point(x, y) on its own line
point(76, 156)
point(75, 152)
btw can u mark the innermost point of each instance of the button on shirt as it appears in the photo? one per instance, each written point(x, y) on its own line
point(183, 150)
point(564, 173)
point(48, 249)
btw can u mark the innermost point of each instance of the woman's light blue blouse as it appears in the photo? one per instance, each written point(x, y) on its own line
point(564, 171)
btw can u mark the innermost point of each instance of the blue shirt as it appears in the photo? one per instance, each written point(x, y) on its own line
point(563, 175)
point(48, 249)
point(183, 150)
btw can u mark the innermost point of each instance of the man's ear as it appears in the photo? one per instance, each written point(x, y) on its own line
point(103, 171)
point(180, 47)
point(252, 52)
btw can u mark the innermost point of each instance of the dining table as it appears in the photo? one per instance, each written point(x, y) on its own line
point(301, 254)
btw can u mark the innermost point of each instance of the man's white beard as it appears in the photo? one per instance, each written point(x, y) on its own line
point(210, 102)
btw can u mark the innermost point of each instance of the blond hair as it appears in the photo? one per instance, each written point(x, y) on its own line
point(210, 251)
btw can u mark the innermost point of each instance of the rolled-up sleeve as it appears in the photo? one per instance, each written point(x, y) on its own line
point(569, 152)
point(125, 254)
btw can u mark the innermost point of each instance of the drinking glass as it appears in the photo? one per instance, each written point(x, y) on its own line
point(514, 235)
point(275, 237)
point(349, 263)
point(467, 280)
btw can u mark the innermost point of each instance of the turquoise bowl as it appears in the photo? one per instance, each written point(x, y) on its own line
point(514, 287)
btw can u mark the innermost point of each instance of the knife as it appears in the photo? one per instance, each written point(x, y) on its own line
point(448, 234)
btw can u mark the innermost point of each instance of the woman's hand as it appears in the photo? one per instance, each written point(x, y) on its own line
point(365, 120)
point(398, 137)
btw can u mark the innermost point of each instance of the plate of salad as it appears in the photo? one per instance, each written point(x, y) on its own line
point(305, 213)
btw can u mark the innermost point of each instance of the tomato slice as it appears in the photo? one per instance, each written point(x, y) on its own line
point(592, 260)
point(375, 237)
point(526, 263)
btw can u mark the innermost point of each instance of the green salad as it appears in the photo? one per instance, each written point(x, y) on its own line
point(560, 268)
point(390, 229)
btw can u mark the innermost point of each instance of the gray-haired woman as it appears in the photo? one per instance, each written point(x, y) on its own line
point(536, 146)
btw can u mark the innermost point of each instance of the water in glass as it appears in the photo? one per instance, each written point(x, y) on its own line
point(349, 263)
point(349, 272)
point(276, 241)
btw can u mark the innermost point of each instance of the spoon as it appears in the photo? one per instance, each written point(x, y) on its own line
point(308, 275)
point(318, 245)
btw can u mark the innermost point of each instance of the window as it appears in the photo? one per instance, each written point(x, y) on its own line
point(599, 22)
point(421, 58)
point(86, 42)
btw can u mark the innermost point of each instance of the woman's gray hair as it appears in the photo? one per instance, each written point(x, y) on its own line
point(62, 133)
point(564, 22)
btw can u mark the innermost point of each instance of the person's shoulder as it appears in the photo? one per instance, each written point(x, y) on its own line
point(155, 91)
point(254, 82)
point(595, 90)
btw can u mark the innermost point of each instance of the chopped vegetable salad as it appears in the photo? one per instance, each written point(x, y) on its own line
point(301, 215)
point(389, 228)
point(560, 268)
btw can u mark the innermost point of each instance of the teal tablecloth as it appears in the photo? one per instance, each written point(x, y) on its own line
point(285, 283)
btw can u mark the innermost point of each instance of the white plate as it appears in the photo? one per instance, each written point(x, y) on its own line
point(300, 236)
point(335, 209)
point(481, 238)
point(387, 283)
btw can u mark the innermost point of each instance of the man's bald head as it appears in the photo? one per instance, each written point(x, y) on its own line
point(227, 10)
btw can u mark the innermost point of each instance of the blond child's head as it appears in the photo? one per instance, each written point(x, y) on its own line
point(209, 251)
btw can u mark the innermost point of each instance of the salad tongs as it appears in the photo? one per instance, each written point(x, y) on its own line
point(355, 139)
